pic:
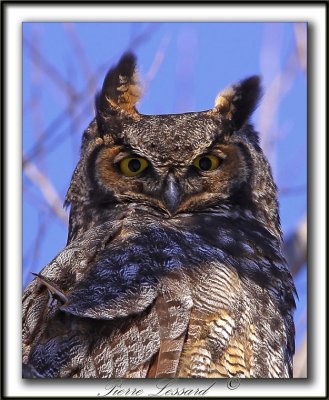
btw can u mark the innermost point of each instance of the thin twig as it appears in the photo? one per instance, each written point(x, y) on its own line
point(48, 68)
point(156, 63)
point(78, 49)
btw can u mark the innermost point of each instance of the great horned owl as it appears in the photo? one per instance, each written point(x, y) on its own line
point(173, 265)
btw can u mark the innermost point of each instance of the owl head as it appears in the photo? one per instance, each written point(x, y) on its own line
point(174, 164)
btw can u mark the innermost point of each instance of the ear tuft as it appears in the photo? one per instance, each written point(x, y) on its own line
point(237, 103)
point(121, 90)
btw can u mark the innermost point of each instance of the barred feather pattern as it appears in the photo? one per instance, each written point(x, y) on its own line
point(105, 330)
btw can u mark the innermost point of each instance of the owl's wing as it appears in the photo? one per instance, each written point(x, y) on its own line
point(65, 345)
point(88, 315)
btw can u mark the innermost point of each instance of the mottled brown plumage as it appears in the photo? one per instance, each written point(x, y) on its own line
point(173, 265)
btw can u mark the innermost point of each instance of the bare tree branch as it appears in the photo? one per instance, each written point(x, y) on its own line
point(80, 97)
point(47, 189)
point(295, 247)
point(79, 50)
point(49, 69)
point(280, 86)
point(293, 190)
point(300, 360)
point(301, 40)
point(156, 63)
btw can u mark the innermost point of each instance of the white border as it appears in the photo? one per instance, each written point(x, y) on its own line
point(15, 15)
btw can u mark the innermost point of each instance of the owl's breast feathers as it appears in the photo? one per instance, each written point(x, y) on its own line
point(202, 295)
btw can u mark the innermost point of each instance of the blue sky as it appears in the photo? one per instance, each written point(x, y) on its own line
point(184, 65)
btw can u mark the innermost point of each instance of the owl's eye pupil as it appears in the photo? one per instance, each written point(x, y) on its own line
point(205, 163)
point(134, 165)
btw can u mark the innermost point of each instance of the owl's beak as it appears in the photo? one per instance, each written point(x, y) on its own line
point(171, 193)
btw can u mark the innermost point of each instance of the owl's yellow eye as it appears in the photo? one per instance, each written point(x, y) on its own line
point(133, 166)
point(206, 163)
